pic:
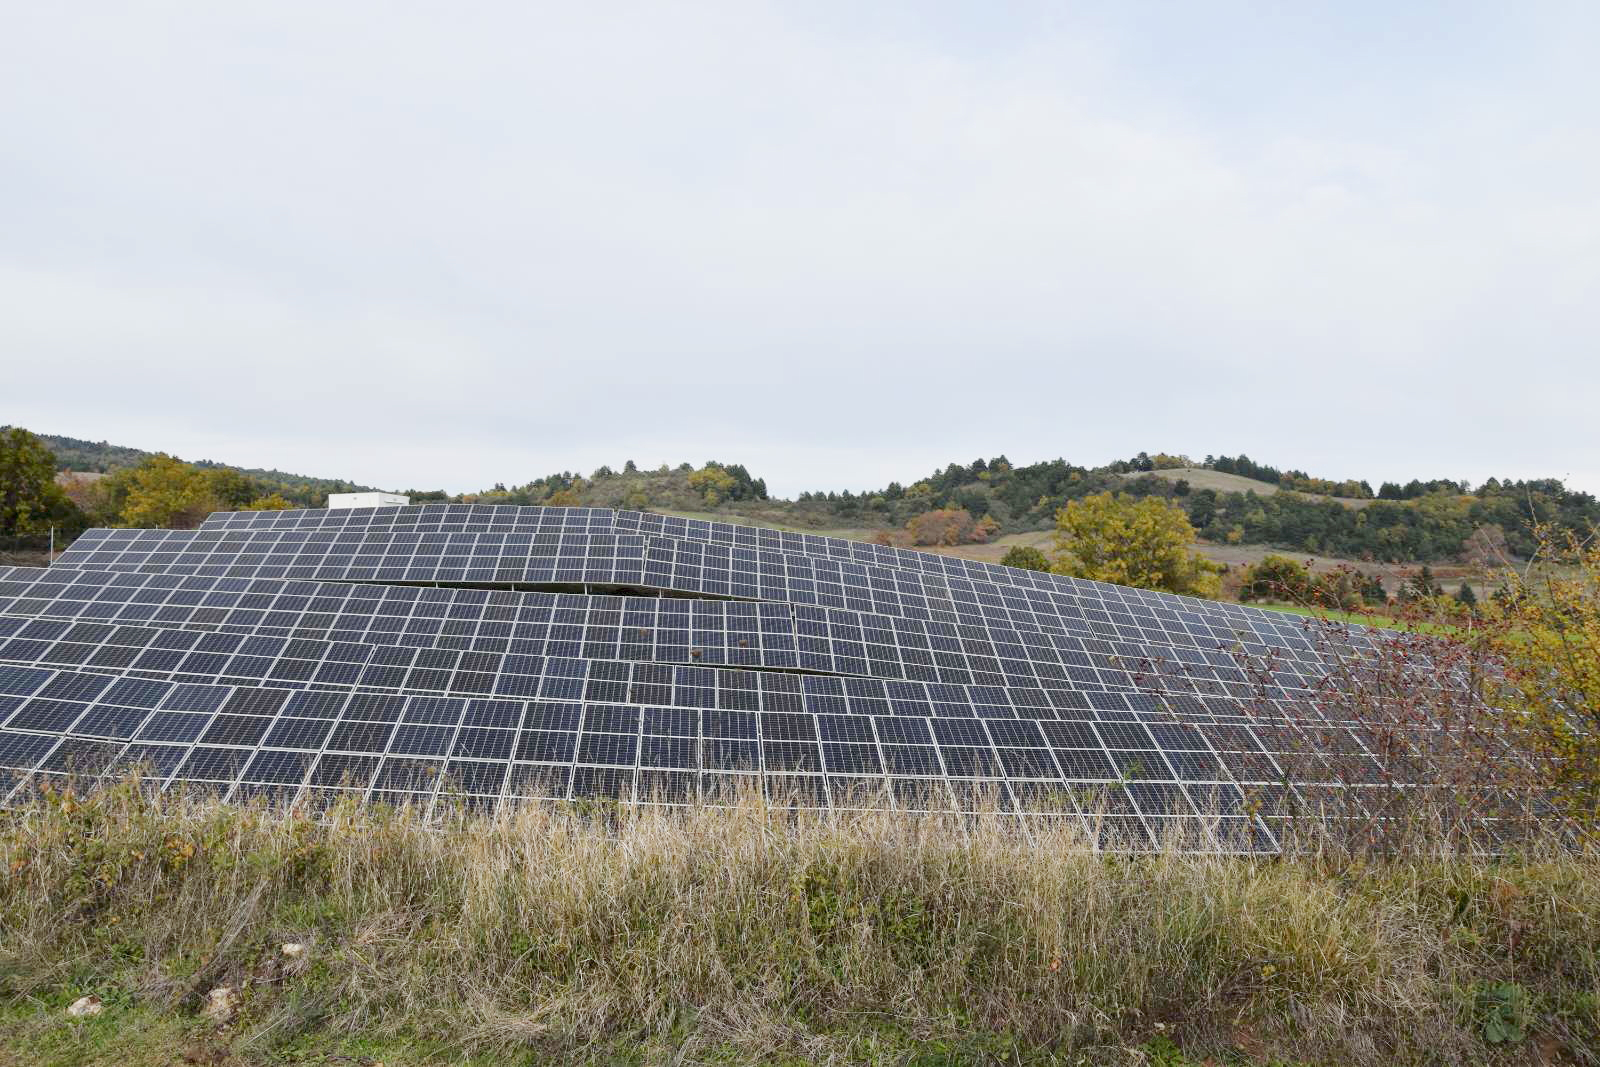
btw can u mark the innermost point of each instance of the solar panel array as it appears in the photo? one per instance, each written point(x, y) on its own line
point(483, 655)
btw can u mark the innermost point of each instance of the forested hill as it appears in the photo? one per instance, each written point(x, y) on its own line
point(1420, 520)
point(1229, 499)
point(1245, 503)
point(99, 457)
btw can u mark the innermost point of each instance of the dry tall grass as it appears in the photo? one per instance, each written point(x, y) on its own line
point(744, 934)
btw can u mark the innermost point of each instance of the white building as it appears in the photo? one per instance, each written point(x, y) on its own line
point(367, 500)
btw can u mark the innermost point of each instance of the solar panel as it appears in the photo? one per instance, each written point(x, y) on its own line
point(662, 564)
point(695, 721)
point(430, 516)
point(482, 655)
point(771, 635)
point(161, 653)
point(480, 518)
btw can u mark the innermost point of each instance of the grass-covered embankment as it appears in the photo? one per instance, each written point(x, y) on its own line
point(744, 936)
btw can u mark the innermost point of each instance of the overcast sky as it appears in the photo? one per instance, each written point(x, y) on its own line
point(444, 245)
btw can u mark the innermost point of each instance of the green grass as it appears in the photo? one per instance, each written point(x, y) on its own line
point(129, 1034)
point(750, 935)
point(40, 1035)
point(1205, 478)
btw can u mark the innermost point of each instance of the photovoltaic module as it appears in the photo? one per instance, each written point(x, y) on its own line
point(482, 656)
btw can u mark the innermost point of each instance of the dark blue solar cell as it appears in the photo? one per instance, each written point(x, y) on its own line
point(483, 743)
point(76, 687)
point(289, 732)
point(23, 751)
point(676, 752)
point(41, 714)
point(416, 740)
point(22, 681)
point(434, 710)
point(108, 721)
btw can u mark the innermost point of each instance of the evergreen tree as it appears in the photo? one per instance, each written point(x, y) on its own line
point(1426, 585)
point(1420, 586)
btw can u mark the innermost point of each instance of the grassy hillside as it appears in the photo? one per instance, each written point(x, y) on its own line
point(73, 454)
point(1217, 481)
point(746, 936)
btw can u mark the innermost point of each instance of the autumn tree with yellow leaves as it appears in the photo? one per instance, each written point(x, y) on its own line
point(1548, 638)
point(713, 482)
point(163, 492)
point(1144, 543)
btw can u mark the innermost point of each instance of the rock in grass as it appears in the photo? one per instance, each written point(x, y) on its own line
point(221, 1003)
point(293, 949)
point(85, 1006)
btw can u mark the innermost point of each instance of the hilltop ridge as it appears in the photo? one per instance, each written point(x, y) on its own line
point(1232, 502)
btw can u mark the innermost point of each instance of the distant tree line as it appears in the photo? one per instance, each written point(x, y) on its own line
point(1414, 488)
point(98, 457)
point(1421, 520)
point(1499, 516)
point(160, 491)
point(164, 492)
point(685, 487)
